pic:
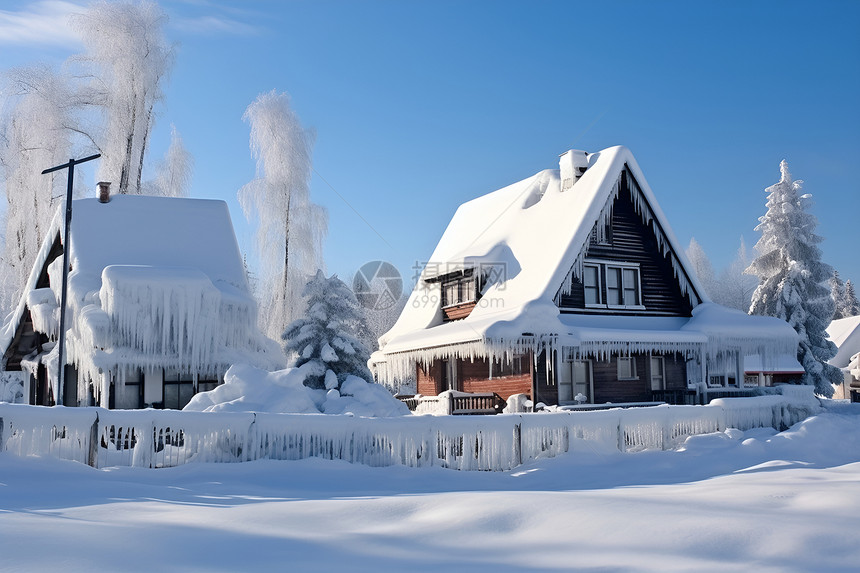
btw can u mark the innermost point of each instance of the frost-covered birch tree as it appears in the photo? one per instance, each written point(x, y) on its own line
point(290, 227)
point(128, 59)
point(793, 279)
point(36, 134)
point(327, 340)
point(701, 265)
point(733, 288)
point(173, 174)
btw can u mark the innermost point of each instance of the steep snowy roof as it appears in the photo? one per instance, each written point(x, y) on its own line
point(531, 235)
point(532, 232)
point(155, 231)
point(155, 282)
point(845, 334)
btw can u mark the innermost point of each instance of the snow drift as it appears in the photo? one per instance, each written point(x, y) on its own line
point(249, 389)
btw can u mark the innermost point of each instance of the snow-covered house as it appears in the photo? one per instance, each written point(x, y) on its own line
point(159, 306)
point(570, 284)
point(845, 334)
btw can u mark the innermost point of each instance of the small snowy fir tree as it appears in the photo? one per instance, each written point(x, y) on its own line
point(850, 304)
point(793, 279)
point(837, 293)
point(326, 342)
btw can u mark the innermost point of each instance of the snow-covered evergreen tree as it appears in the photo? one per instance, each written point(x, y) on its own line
point(129, 59)
point(793, 279)
point(837, 293)
point(850, 304)
point(326, 342)
point(291, 228)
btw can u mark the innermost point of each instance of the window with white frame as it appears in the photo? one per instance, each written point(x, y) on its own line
point(623, 287)
point(459, 291)
point(627, 368)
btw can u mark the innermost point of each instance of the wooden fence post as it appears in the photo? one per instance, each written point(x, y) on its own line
point(667, 431)
point(518, 444)
point(93, 454)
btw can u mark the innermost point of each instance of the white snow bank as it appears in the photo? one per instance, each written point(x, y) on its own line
point(249, 389)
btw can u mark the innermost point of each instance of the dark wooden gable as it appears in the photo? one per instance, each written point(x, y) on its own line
point(26, 340)
point(630, 240)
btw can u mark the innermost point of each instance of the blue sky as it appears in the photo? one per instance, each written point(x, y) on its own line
point(420, 106)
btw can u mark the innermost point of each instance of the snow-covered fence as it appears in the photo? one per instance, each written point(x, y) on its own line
point(164, 438)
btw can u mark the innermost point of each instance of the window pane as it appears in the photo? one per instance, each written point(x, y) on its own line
point(467, 290)
point(449, 294)
point(613, 286)
point(589, 279)
point(626, 368)
point(631, 287)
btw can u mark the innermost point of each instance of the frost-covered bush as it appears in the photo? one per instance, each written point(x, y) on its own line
point(326, 341)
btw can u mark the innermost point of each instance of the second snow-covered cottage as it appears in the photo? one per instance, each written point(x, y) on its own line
point(158, 308)
point(845, 334)
point(570, 286)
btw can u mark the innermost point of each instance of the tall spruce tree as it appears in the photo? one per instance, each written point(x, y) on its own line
point(792, 279)
point(850, 304)
point(837, 293)
point(326, 342)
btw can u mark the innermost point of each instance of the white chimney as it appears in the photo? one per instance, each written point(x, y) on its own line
point(104, 191)
point(573, 164)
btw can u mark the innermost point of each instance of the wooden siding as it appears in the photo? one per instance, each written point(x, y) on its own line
point(428, 381)
point(458, 311)
point(608, 388)
point(25, 340)
point(633, 242)
point(475, 377)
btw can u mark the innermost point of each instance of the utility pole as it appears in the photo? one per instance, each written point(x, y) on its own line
point(61, 371)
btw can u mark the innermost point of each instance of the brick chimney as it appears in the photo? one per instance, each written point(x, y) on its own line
point(104, 191)
point(573, 164)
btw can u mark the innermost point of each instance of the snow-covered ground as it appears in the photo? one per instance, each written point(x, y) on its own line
point(732, 501)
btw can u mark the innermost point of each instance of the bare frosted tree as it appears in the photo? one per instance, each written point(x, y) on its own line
point(173, 177)
point(290, 227)
point(733, 288)
point(128, 58)
point(701, 265)
point(36, 134)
